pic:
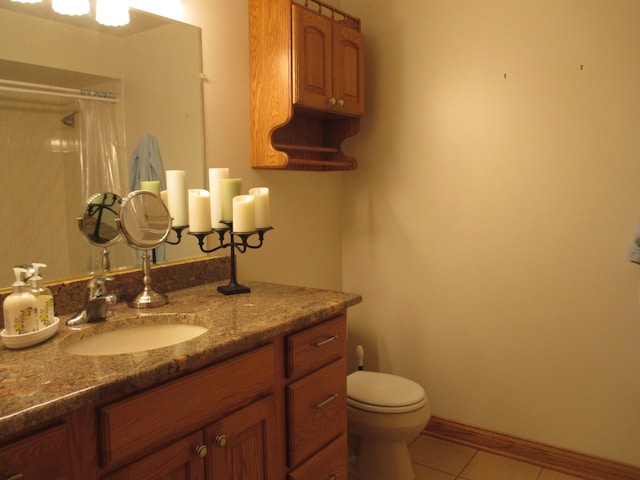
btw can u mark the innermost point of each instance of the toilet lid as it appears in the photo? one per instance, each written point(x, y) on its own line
point(375, 391)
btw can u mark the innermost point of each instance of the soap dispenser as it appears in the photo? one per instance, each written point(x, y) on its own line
point(43, 296)
point(20, 307)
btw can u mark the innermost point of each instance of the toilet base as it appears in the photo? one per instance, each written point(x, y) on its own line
point(383, 461)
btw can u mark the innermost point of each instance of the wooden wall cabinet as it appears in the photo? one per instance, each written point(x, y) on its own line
point(307, 84)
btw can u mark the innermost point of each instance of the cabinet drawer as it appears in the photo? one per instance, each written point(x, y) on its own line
point(328, 464)
point(316, 346)
point(42, 455)
point(317, 410)
point(138, 424)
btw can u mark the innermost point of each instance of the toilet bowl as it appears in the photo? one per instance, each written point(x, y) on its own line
point(385, 414)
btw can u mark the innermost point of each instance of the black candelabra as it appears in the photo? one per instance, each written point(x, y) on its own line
point(240, 241)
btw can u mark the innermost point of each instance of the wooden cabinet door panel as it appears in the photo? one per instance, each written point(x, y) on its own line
point(240, 445)
point(348, 70)
point(330, 462)
point(42, 455)
point(312, 76)
point(316, 346)
point(317, 406)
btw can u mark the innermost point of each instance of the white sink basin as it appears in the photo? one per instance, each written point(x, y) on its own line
point(132, 339)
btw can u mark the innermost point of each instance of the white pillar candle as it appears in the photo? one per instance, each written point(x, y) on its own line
point(199, 210)
point(229, 188)
point(152, 186)
point(244, 213)
point(177, 196)
point(215, 175)
point(263, 214)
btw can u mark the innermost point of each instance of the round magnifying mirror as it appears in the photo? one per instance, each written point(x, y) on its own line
point(145, 223)
point(144, 220)
point(98, 221)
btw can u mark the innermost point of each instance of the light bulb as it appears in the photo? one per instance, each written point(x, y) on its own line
point(71, 7)
point(113, 13)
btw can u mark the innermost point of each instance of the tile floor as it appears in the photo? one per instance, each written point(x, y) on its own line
point(435, 459)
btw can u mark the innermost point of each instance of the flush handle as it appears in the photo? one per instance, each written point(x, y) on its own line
point(325, 402)
point(332, 338)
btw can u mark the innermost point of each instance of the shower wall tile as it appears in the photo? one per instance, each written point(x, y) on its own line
point(32, 139)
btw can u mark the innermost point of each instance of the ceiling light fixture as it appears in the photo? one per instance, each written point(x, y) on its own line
point(113, 13)
point(71, 7)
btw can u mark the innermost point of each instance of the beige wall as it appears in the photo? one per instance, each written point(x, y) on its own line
point(305, 247)
point(488, 222)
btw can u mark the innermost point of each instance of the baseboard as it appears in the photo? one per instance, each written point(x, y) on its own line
point(565, 461)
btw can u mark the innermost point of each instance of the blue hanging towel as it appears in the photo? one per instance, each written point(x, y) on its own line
point(146, 163)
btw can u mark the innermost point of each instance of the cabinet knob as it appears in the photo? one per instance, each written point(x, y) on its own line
point(340, 102)
point(201, 451)
point(221, 440)
point(15, 476)
point(332, 101)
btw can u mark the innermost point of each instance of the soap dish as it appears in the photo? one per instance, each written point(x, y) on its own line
point(32, 338)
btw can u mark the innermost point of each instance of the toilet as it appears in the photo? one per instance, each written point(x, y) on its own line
point(385, 414)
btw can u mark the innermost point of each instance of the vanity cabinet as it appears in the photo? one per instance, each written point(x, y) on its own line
point(275, 412)
point(307, 84)
point(31, 457)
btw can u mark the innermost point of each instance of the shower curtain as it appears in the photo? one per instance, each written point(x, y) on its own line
point(101, 147)
point(101, 139)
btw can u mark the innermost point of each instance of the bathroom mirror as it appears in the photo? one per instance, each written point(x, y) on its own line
point(145, 224)
point(154, 68)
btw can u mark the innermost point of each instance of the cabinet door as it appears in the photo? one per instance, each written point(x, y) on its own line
point(312, 76)
point(348, 70)
point(42, 455)
point(181, 460)
point(240, 444)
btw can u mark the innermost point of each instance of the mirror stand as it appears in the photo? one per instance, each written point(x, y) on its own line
point(145, 223)
point(148, 298)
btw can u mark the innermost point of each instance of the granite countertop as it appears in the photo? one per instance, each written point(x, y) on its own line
point(42, 382)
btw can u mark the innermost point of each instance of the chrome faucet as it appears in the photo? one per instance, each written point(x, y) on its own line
point(95, 309)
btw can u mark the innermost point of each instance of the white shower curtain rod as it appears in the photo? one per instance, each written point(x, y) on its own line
point(41, 89)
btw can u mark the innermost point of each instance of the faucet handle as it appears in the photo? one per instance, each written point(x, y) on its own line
point(97, 287)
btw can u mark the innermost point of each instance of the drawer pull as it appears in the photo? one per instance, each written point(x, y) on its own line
point(201, 451)
point(221, 440)
point(328, 400)
point(332, 338)
point(16, 476)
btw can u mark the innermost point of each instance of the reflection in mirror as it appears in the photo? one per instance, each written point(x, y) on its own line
point(98, 223)
point(145, 223)
point(153, 69)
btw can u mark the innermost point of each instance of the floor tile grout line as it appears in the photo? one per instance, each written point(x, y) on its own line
point(459, 474)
